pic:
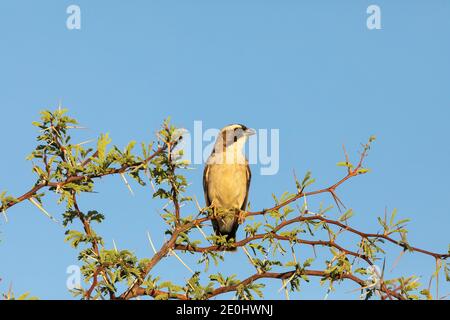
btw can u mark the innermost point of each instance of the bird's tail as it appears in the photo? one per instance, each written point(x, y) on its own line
point(228, 228)
point(231, 237)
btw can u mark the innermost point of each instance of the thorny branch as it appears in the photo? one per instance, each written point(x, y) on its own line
point(164, 160)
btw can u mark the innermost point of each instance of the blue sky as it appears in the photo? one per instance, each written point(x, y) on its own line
point(311, 69)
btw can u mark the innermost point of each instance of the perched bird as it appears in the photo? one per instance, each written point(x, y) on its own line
point(226, 179)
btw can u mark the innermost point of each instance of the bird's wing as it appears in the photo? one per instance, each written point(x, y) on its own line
point(207, 199)
point(205, 185)
point(249, 178)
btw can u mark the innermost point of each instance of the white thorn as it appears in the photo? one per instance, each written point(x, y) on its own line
point(37, 204)
point(85, 142)
point(5, 215)
point(179, 259)
point(151, 242)
point(287, 282)
point(286, 291)
point(201, 231)
point(126, 183)
point(115, 247)
point(251, 259)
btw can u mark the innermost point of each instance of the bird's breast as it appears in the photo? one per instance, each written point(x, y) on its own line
point(227, 186)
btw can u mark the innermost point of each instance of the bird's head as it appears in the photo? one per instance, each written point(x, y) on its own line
point(232, 137)
point(230, 144)
point(234, 133)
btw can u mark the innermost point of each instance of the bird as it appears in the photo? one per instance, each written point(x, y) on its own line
point(226, 180)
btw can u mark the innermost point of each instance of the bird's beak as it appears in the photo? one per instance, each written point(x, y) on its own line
point(249, 132)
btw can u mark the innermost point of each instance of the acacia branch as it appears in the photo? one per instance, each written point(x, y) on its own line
point(289, 274)
point(183, 226)
point(331, 189)
point(267, 275)
point(95, 248)
point(76, 178)
point(159, 293)
point(162, 252)
point(286, 223)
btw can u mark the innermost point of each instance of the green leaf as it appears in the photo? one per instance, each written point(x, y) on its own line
point(347, 215)
point(102, 143)
point(394, 213)
point(363, 170)
point(403, 221)
point(344, 164)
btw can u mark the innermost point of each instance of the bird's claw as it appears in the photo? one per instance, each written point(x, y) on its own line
point(241, 217)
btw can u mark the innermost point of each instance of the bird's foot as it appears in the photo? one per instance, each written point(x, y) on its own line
point(241, 217)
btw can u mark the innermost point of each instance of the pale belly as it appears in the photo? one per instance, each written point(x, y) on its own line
point(227, 185)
